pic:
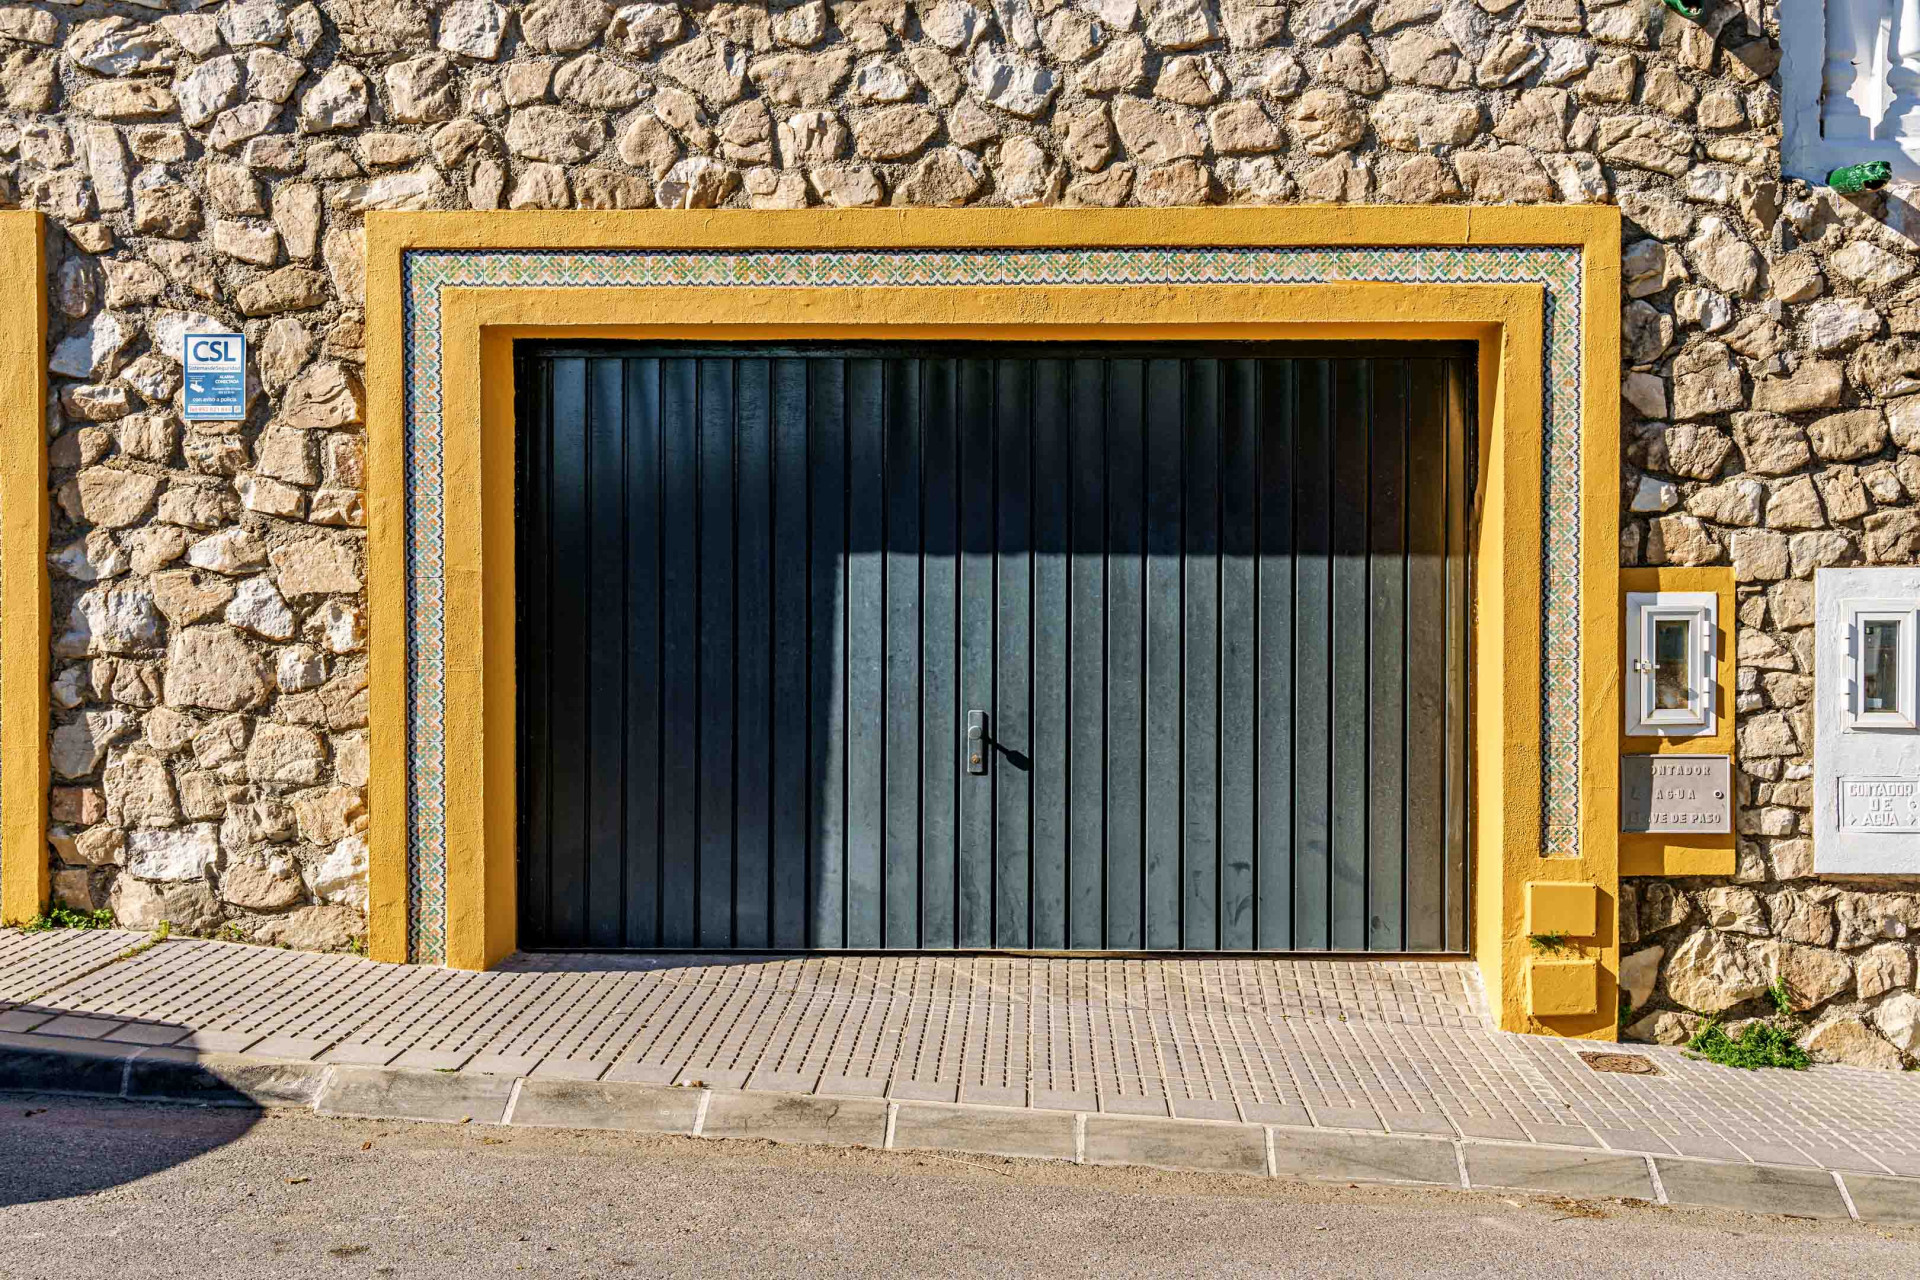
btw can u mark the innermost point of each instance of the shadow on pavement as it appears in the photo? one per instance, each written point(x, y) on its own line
point(54, 1148)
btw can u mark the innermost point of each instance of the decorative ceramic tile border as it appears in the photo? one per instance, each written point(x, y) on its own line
point(426, 273)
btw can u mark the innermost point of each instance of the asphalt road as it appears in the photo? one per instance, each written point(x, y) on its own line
point(103, 1189)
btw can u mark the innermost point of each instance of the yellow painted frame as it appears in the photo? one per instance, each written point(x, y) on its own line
point(479, 325)
point(25, 595)
point(1645, 854)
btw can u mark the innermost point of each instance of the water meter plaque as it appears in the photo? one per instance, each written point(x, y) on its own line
point(1675, 793)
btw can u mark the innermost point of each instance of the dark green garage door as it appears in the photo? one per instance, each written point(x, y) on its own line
point(1204, 605)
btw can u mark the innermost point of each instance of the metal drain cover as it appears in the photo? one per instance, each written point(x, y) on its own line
point(1631, 1064)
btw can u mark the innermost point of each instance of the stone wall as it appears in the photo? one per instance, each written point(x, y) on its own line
point(1771, 424)
point(208, 167)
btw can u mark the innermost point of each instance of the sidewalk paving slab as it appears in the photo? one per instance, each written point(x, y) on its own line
point(1800, 1193)
point(1775, 1153)
point(1845, 1159)
point(984, 1131)
point(1275, 1113)
point(347, 1053)
point(1319, 1156)
point(1416, 1122)
point(384, 1092)
point(431, 1060)
point(1064, 1100)
point(292, 1048)
point(1703, 1147)
point(590, 1104)
point(1170, 1144)
point(1573, 1173)
point(1347, 1118)
point(641, 1073)
point(1635, 1140)
point(40, 960)
point(1564, 1135)
point(149, 1033)
point(1489, 1128)
point(218, 1041)
point(1905, 1166)
point(569, 1069)
point(852, 1086)
point(79, 1027)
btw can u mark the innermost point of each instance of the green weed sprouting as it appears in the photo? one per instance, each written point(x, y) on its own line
point(67, 918)
point(1759, 1044)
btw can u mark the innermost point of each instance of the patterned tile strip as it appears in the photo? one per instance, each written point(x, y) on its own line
point(427, 273)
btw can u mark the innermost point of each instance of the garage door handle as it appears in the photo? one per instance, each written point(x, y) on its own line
point(976, 742)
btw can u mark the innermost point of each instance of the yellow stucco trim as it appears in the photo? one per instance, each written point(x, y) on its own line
point(25, 603)
point(478, 435)
point(478, 327)
point(1643, 854)
point(1598, 862)
point(1588, 226)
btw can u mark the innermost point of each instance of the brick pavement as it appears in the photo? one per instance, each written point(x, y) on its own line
point(1385, 1046)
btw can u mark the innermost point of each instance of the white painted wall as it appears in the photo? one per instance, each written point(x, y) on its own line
point(1844, 754)
point(1850, 85)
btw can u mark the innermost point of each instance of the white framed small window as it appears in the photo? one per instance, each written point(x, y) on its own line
point(1881, 647)
point(1670, 664)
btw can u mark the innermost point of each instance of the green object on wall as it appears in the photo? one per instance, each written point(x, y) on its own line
point(1870, 176)
point(1686, 8)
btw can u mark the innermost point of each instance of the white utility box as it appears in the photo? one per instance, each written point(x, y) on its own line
point(1866, 735)
point(1670, 676)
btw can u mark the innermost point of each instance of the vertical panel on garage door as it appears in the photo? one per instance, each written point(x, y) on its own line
point(1211, 600)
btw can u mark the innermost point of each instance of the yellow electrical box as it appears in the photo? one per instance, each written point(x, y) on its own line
point(1563, 907)
point(1556, 987)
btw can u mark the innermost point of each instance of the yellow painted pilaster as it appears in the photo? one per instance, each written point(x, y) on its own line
point(386, 596)
point(1598, 858)
point(25, 605)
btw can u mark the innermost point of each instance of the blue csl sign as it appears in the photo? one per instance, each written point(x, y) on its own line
point(216, 377)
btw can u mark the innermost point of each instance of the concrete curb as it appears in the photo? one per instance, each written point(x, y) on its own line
point(47, 1064)
point(223, 1079)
